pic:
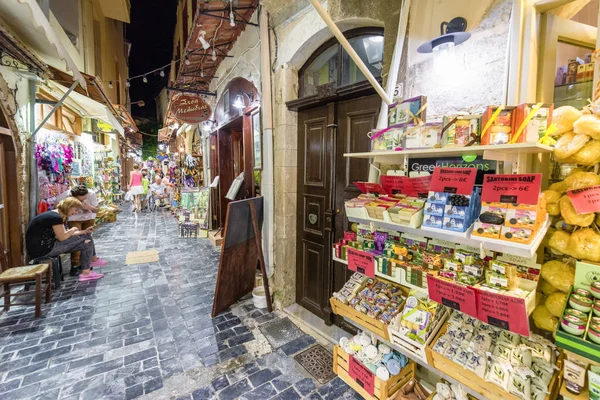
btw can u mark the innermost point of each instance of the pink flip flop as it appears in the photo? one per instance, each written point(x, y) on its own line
point(92, 276)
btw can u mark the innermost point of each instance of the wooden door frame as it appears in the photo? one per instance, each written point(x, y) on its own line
point(13, 204)
point(523, 50)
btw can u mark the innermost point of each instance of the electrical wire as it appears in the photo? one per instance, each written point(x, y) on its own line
point(223, 80)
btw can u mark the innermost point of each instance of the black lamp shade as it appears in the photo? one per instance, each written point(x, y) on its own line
point(456, 37)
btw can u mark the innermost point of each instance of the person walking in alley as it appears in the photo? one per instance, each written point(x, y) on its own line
point(135, 186)
point(145, 185)
point(47, 236)
point(82, 220)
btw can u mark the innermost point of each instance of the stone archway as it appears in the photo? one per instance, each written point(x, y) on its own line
point(16, 171)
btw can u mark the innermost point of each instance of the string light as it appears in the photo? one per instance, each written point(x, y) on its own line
point(127, 84)
point(162, 73)
point(231, 18)
point(202, 72)
point(214, 55)
point(187, 61)
point(145, 80)
point(205, 44)
point(110, 85)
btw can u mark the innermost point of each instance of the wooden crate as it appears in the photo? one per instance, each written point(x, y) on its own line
point(414, 348)
point(383, 389)
point(368, 323)
point(487, 389)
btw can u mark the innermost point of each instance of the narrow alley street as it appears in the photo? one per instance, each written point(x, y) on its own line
point(145, 331)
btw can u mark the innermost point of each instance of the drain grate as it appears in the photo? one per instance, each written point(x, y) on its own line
point(318, 362)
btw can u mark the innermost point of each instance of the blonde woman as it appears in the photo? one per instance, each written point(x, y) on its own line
point(47, 236)
point(135, 187)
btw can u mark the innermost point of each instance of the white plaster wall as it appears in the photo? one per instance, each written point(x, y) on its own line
point(245, 61)
point(478, 77)
point(16, 94)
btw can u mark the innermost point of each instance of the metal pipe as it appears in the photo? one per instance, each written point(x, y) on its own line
point(392, 78)
point(268, 186)
point(30, 154)
point(60, 102)
point(351, 52)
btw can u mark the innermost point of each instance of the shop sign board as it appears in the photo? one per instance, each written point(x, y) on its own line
point(369, 187)
point(450, 294)
point(362, 375)
point(453, 180)
point(420, 185)
point(585, 200)
point(396, 184)
point(586, 273)
point(427, 165)
point(190, 109)
point(361, 261)
point(506, 312)
point(517, 188)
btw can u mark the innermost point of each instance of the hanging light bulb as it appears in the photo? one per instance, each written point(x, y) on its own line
point(205, 44)
point(127, 84)
point(187, 61)
point(202, 71)
point(162, 73)
point(231, 20)
point(214, 55)
point(110, 85)
point(144, 79)
point(176, 125)
point(239, 102)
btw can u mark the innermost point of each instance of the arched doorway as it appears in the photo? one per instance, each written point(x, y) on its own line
point(10, 224)
point(336, 107)
point(231, 144)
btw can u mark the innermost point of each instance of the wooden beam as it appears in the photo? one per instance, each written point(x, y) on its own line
point(569, 10)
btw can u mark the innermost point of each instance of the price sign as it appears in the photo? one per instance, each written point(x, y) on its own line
point(396, 184)
point(518, 188)
point(506, 312)
point(450, 294)
point(361, 261)
point(369, 187)
point(361, 375)
point(586, 200)
point(453, 180)
point(420, 185)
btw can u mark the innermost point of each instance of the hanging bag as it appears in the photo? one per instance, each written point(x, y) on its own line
point(128, 196)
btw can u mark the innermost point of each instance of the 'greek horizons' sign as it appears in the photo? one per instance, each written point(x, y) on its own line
point(190, 109)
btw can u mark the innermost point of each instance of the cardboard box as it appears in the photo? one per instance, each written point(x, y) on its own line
point(438, 197)
point(486, 230)
point(403, 112)
point(518, 218)
point(501, 128)
point(561, 75)
point(460, 130)
point(433, 221)
point(589, 72)
point(434, 209)
point(580, 77)
point(455, 224)
point(517, 235)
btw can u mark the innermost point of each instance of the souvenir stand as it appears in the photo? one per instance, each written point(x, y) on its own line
point(485, 279)
point(54, 155)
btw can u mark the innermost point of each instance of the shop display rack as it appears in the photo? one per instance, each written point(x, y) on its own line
point(488, 152)
point(464, 238)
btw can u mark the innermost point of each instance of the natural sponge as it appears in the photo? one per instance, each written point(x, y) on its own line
point(564, 117)
point(559, 242)
point(570, 215)
point(559, 274)
point(569, 144)
point(581, 179)
point(543, 319)
point(588, 124)
point(584, 244)
point(555, 303)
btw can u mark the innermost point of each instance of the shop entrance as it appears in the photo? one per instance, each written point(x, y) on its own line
point(325, 181)
point(10, 235)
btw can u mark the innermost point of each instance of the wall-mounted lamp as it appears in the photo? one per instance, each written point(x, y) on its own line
point(451, 34)
point(239, 100)
point(207, 125)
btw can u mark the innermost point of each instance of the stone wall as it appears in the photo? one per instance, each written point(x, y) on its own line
point(478, 77)
point(14, 103)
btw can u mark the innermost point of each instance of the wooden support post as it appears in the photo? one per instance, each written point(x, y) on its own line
point(261, 257)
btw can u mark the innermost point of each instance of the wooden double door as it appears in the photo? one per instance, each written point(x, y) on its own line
point(325, 181)
point(10, 228)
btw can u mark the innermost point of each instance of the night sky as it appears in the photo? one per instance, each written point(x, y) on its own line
point(151, 36)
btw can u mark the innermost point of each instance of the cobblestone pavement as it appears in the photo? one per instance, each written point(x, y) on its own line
point(145, 331)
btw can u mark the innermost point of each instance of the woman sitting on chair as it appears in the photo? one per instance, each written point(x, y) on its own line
point(47, 236)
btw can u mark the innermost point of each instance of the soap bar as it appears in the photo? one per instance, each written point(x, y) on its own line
point(495, 280)
point(503, 268)
point(452, 265)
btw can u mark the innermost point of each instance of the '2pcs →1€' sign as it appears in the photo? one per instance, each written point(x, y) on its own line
point(361, 261)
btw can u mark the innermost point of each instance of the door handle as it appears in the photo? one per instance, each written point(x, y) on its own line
point(332, 126)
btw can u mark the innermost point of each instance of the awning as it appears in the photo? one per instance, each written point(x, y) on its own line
point(126, 118)
point(92, 102)
point(116, 9)
point(27, 20)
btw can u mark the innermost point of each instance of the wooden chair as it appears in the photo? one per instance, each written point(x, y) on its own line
point(21, 275)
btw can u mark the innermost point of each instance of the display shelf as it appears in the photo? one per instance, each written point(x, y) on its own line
point(501, 246)
point(392, 156)
point(584, 395)
point(419, 361)
point(338, 259)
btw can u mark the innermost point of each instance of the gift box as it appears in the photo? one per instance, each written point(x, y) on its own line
point(422, 136)
point(532, 122)
point(460, 130)
point(408, 111)
point(498, 125)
